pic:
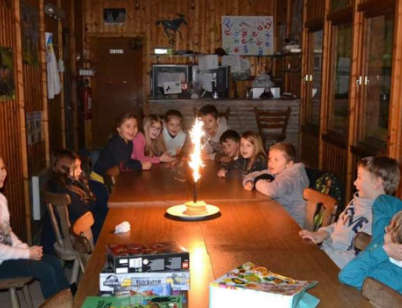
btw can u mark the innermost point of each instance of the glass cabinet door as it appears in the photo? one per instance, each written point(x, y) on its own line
point(340, 4)
point(341, 59)
point(316, 72)
point(376, 80)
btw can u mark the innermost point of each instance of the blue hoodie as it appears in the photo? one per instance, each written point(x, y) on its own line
point(373, 261)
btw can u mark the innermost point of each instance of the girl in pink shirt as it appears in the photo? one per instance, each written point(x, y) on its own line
point(150, 146)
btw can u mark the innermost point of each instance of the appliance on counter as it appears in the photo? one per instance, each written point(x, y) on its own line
point(170, 79)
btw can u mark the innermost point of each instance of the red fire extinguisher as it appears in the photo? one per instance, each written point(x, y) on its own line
point(87, 100)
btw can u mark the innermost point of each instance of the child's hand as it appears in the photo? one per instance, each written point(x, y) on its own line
point(166, 158)
point(35, 253)
point(315, 237)
point(222, 173)
point(146, 165)
point(248, 186)
point(394, 250)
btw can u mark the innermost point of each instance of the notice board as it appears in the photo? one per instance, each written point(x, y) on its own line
point(248, 35)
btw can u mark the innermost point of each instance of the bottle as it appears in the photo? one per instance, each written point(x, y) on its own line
point(214, 91)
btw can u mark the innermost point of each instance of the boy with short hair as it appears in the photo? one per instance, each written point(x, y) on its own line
point(214, 127)
point(230, 143)
point(376, 176)
point(173, 135)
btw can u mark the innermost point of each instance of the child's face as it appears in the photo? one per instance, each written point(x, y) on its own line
point(367, 185)
point(128, 129)
point(230, 148)
point(76, 170)
point(173, 126)
point(155, 130)
point(3, 173)
point(277, 162)
point(247, 149)
point(210, 124)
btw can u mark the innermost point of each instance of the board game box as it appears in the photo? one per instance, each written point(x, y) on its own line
point(157, 257)
point(255, 286)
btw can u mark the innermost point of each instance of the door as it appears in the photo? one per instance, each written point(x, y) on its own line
point(117, 86)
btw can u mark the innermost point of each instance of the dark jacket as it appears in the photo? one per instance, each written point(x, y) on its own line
point(117, 152)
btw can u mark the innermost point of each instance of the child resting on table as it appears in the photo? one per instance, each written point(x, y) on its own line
point(117, 152)
point(174, 137)
point(17, 259)
point(375, 261)
point(214, 127)
point(376, 176)
point(283, 181)
point(252, 156)
point(149, 147)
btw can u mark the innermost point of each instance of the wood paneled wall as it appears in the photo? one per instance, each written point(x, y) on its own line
point(202, 34)
point(12, 133)
point(315, 11)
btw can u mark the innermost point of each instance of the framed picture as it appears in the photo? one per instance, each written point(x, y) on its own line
point(115, 16)
point(7, 86)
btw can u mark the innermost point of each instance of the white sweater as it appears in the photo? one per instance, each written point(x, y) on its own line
point(174, 144)
point(16, 249)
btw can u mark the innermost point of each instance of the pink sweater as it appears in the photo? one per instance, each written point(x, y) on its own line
point(17, 249)
point(139, 149)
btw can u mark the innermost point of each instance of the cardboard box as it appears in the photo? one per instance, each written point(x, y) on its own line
point(134, 301)
point(160, 283)
point(157, 257)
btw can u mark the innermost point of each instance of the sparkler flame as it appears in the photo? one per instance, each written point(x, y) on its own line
point(196, 133)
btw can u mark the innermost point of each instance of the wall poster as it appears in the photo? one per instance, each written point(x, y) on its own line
point(248, 35)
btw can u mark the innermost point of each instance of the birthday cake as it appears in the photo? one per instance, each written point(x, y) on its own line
point(255, 286)
point(195, 208)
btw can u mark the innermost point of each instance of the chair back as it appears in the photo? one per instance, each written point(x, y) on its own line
point(361, 240)
point(57, 204)
point(81, 229)
point(272, 124)
point(320, 209)
point(380, 295)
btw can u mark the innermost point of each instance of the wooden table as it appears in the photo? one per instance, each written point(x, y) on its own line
point(251, 228)
point(163, 185)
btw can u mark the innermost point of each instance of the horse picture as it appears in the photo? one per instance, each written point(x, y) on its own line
point(171, 26)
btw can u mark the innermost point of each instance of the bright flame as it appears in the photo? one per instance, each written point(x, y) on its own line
point(196, 133)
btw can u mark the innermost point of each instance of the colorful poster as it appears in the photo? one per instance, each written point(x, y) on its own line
point(248, 35)
point(7, 87)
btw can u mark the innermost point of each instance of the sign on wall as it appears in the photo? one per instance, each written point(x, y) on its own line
point(248, 35)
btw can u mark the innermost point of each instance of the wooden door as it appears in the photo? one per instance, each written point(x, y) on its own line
point(117, 86)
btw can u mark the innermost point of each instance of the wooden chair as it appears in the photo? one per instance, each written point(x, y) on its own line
point(320, 209)
point(379, 294)
point(12, 284)
point(272, 125)
point(63, 299)
point(110, 177)
point(64, 245)
point(83, 238)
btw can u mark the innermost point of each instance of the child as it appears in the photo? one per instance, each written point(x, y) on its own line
point(150, 147)
point(375, 176)
point(173, 135)
point(118, 150)
point(214, 128)
point(375, 260)
point(253, 157)
point(283, 181)
point(230, 143)
point(17, 259)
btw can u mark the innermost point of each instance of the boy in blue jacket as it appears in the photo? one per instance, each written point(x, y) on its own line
point(376, 261)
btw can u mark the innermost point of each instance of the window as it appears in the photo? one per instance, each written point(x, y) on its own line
point(376, 79)
point(340, 76)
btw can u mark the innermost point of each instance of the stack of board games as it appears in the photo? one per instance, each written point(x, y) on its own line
point(255, 286)
point(135, 301)
point(159, 269)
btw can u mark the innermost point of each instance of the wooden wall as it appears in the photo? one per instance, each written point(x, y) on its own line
point(12, 126)
point(202, 34)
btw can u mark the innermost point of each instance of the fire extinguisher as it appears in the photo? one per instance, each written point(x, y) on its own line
point(87, 100)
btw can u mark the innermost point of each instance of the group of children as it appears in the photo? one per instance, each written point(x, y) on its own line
point(372, 210)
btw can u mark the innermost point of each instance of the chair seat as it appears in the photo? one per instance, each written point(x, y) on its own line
point(380, 295)
point(17, 282)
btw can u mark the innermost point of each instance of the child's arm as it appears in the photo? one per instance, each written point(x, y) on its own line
point(279, 187)
point(316, 237)
point(357, 270)
point(249, 178)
